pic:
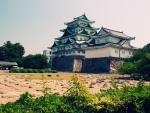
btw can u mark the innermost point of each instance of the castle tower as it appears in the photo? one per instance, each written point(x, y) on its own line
point(83, 48)
point(77, 33)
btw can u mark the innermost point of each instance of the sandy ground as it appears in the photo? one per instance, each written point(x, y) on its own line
point(11, 87)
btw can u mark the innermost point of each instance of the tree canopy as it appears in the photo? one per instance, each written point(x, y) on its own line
point(10, 52)
point(15, 52)
point(37, 61)
point(138, 64)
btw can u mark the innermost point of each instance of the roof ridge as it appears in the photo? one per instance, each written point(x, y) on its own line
point(113, 30)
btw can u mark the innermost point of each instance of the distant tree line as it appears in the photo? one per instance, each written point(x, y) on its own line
point(139, 64)
point(14, 53)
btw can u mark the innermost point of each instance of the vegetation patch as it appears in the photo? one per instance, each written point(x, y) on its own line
point(77, 99)
point(16, 70)
point(138, 65)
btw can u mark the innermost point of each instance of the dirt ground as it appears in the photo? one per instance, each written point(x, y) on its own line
point(12, 86)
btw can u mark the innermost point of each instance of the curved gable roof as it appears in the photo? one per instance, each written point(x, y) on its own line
point(116, 33)
point(81, 17)
point(67, 32)
point(56, 43)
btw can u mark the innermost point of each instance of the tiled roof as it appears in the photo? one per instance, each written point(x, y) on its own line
point(107, 44)
point(56, 43)
point(3, 63)
point(84, 32)
point(116, 33)
point(69, 40)
point(82, 17)
point(66, 33)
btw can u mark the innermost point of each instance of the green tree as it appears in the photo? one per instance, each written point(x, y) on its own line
point(11, 52)
point(138, 64)
point(37, 61)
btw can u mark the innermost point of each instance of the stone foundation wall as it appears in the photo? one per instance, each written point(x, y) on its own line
point(96, 65)
point(68, 63)
point(89, 65)
point(114, 63)
point(77, 65)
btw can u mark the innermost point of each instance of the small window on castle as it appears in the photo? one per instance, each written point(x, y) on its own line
point(78, 51)
point(97, 41)
point(123, 52)
point(116, 51)
point(80, 38)
point(130, 53)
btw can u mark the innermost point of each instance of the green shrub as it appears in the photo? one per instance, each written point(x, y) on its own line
point(14, 70)
point(23, 70)
point(29, 70)
point(41, 71)
point(35, 71)
point(47, 70)
point(54, 71)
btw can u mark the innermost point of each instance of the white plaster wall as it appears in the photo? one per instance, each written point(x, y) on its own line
point(70, 53)
point(81, 53)
point(114, 52)
point(106, 52)
point(96, 53)
point(125, 55)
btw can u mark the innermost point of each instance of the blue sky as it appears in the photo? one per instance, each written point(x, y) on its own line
point(35, 23)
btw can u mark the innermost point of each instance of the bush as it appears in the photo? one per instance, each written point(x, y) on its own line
point(29, 71)
point(14, 70)
point(23, 70)
point(35, 71)
point(139, 64)
point(77, 99)
point(41, 71)
point(47, 70)
point(54, 71)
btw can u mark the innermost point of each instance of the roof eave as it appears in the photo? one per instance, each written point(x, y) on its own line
point(99, 36)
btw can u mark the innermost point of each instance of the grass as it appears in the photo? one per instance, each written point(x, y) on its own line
point(38, 76)
point(50, 76)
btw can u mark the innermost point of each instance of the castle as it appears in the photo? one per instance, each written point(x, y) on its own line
point(82, 48)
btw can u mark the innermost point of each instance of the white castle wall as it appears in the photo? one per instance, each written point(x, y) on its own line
point(108, 52)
